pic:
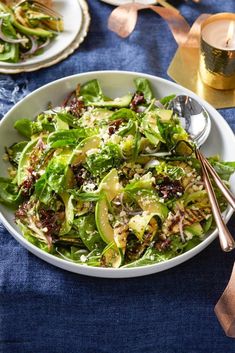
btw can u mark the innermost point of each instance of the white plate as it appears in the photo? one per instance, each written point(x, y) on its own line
point(82, 33)
point(115, 83)
point(72, 17)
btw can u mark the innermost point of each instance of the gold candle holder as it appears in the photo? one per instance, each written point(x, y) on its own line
point(217, 51)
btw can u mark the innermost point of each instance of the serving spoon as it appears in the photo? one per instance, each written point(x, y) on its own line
point(196, 121)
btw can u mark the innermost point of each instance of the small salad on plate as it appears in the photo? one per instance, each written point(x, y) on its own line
point(109, 182)
point(26, 30)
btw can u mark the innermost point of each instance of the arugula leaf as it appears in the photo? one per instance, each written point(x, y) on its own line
point(172, 171)
point(43, 190)
point(166, 100)
point(143, 85)
point(224, 169)
point(78, 255)
point(123, 113)
point(90, 236)
point(9, 193)
point(68, 137)
point(84, 196)
point(207, 224)
point(150, 257)
point(91, 92)
point(68, 118)
point(127, 128)
point(73, 254)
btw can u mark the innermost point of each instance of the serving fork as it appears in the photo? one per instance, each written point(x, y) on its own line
point(37, 6)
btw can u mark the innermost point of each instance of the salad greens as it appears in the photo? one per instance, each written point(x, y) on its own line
point(109, 182)
point(25, 31)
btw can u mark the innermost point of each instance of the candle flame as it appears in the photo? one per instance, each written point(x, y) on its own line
point(230, 33)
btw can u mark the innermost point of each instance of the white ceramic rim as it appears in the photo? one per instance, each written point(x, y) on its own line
point(121, 272)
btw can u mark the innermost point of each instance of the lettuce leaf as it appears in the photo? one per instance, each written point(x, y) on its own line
point(90, 236)
point(105, 159)
point(224, 169)
point(143, 85)
point(72, 137)
point(9, 193)
point(91, 92)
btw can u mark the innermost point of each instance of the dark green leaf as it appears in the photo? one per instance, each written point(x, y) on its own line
point(124, 114)
point(224, 169)
point(84, 196)
point(86, 227)
point(9, 193)
point(143, 85)
point(24, 127)
point(68, 118)
point(105, 159)
point(43, 190)
point(165, 100)
point(14, 152)
point(126, 128)
point(91, 92)
point(63, 138)
point(150, 257)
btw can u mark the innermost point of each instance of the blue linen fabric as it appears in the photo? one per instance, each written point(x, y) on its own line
point(44, 309)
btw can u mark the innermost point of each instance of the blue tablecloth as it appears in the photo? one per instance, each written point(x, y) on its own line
point(45, 309)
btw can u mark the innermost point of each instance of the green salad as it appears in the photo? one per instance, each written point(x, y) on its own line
point(25, 31)
point(109, 182)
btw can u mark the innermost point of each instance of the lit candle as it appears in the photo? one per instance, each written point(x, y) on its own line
point(217, 57)
point(230, 40)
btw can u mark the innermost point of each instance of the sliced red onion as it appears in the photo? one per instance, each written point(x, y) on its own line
point(181, 230)
point(156, 154)
point(198, 183)
point(8, 39)
point(127, 209)
point(44, 44)
point(134, 213)
point(151, 164)
point(32, 50)
point(158, 104)
point(141, 109)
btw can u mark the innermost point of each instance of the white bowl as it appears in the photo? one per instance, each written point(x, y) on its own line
point(114, 83)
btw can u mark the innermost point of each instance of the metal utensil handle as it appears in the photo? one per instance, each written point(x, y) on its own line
point(40, 7)
point(226, 240)
point(225, 191)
